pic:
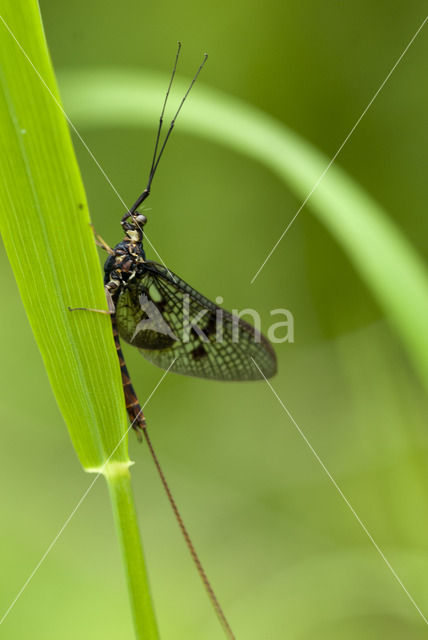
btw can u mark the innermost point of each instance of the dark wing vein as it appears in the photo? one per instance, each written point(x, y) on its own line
point(157, 314)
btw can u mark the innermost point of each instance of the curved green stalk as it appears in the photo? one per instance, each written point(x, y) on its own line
point(45, 227)
point(386, 261)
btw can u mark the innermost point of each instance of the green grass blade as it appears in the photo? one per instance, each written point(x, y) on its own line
point(46, 231)
point(45, 227)
point(387, 262)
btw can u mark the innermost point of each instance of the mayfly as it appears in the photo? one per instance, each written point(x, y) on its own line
point(172, 325)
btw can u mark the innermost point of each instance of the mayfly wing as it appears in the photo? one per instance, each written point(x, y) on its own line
point(170, 322)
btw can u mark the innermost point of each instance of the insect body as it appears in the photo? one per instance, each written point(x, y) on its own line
point(174, 326)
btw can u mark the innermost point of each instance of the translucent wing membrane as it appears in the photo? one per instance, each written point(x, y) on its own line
point(169, 321)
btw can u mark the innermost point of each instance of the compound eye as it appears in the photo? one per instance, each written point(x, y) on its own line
point(140, 219)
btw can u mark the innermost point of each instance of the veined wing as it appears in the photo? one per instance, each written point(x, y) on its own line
point(171, 322)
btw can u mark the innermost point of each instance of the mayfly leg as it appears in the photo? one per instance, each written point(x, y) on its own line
point(111, 306)
point(104, 311)
point(100, 242)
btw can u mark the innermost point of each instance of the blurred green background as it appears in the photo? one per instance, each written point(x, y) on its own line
point(284, 553)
